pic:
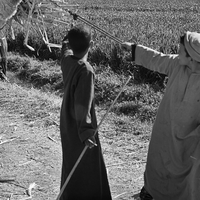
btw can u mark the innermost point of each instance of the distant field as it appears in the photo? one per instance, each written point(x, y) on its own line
point(136, 3)
point(156, 23)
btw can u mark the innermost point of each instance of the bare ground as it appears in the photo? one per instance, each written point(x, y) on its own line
point(30, 150)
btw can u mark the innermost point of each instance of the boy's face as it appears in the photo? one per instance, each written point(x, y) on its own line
point(183, 59)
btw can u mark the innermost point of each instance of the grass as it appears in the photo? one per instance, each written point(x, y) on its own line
point(137, 100)
point(157, 24)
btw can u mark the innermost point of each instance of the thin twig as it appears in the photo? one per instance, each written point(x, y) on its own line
point(116, 164)
point(52, 139)
point(6, 141)
point(119, 195)
point(26, 198)
point(25, 163)
point(7, 180)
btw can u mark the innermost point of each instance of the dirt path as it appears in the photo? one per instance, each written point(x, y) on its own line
point(31, 153)
point(30, 150)
point(27, 157)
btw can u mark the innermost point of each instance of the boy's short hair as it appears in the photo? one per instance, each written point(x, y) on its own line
point(79, 38)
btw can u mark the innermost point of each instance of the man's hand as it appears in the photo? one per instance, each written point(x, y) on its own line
point(127, 46)
point(90, 142)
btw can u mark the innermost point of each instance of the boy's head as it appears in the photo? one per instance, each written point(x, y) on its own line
point(79, 38)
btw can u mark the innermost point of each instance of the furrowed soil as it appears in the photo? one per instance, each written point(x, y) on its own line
point(30, 149)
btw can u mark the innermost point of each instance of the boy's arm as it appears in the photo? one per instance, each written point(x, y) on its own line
point(84, 95)
point(151, 59)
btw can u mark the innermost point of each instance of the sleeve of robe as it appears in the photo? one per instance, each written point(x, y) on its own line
point(84, 95)
point(154, 60)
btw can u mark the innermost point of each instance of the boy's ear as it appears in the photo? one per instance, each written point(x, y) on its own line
point(65, 46)
point(66, 43)
point(65, 38)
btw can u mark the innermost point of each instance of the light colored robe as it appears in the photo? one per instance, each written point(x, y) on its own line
point(173, 161)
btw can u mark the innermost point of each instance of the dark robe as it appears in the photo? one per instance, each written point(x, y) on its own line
point(77, 123)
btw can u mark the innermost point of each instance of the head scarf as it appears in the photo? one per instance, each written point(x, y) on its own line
point(192, 45)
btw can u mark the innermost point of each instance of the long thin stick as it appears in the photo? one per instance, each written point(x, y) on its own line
point(89, 23)
point(85, 148)
point(98, 28)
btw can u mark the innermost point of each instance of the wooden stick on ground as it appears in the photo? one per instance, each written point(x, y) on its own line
point(5, 141)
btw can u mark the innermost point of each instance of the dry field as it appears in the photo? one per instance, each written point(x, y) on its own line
point(30, 151)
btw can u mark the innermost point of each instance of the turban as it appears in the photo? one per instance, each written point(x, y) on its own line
point(192, 45)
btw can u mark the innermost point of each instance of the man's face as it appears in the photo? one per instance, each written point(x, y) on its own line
point(183, 59)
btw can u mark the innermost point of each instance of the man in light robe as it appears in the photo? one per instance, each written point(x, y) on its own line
point(173, 160)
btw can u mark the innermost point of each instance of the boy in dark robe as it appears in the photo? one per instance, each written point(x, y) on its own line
point(78, 122)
